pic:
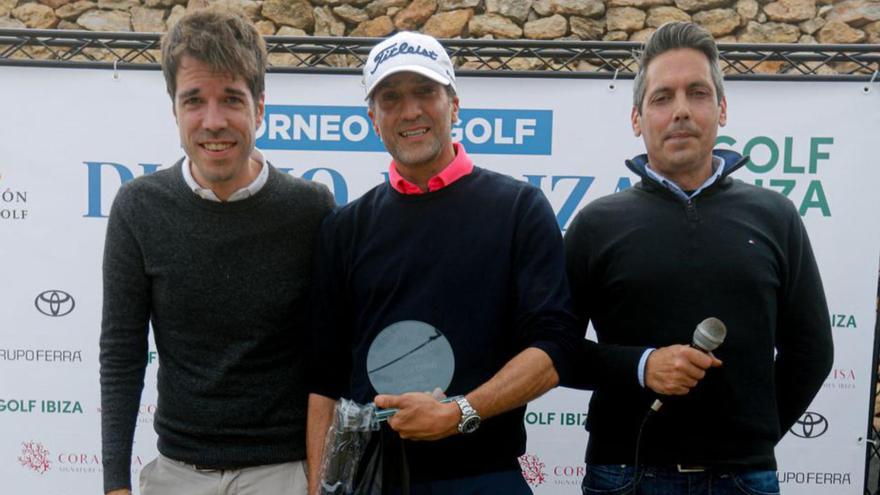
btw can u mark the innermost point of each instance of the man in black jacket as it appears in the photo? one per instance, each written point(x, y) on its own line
point(688, 242)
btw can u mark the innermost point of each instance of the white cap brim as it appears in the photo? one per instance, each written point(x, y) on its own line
point(418, 69)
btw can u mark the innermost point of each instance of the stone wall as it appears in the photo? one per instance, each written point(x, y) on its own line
point(746, 21)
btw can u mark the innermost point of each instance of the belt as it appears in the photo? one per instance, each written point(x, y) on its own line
point(691, 468)
point(204, 467)
point(209, 468)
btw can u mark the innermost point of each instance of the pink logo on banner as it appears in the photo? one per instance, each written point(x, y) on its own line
point(34, 457)
point(532, 469)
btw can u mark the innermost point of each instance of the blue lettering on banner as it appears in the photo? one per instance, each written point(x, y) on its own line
point(332, 128)
point(581, 184)
point(317, 128)
point(505, 132)
point(95, 177)
point(575, 188)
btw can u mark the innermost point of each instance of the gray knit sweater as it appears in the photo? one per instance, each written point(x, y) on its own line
point(225, 286)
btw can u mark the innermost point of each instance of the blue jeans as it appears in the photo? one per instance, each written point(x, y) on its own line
point(619, 480)
point(499, 483)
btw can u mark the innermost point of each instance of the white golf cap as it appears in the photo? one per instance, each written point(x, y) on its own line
point(408, 52)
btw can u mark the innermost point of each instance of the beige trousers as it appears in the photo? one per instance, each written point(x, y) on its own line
point(164, 476)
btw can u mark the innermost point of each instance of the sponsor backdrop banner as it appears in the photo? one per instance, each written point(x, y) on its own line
point(70, 137)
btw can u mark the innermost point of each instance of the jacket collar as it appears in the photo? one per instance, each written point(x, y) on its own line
point(731, 159)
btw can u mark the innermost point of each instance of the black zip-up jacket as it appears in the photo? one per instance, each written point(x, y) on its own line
point(646, 266)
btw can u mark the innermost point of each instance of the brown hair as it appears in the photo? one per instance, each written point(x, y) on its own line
point(225, 41)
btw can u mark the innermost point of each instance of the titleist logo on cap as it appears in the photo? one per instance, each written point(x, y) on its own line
point(404, 49)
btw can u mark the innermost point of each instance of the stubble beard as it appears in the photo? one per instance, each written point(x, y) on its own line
point(415, 157)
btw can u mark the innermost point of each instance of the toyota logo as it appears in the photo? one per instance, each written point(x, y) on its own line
point(54, 303)
point(810, 425)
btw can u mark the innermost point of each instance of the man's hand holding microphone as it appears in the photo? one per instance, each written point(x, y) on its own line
point(676, 369)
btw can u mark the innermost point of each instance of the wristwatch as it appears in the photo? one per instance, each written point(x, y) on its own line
point(470, 420)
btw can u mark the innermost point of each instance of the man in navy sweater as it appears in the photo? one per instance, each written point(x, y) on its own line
point(472, 253)
point(646, 265)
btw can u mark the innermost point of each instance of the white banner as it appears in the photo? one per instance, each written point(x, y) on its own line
point(70, 137)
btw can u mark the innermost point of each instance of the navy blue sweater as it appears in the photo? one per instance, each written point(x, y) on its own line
point(481, 260)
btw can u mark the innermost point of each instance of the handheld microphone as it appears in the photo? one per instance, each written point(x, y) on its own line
point(709, 334)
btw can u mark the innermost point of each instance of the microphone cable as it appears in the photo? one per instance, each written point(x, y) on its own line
point(708, 335)
point(636, 476)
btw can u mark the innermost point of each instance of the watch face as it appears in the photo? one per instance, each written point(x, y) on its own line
point(470, 424)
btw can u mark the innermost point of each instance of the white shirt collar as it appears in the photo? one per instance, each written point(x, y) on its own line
point(243, 193)
point(717, 166)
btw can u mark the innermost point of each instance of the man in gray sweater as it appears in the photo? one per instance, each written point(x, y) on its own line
point(216, 253)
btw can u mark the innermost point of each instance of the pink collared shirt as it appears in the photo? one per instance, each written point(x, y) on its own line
point(461, 166)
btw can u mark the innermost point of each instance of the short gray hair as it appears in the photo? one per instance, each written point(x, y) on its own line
point(672, 36)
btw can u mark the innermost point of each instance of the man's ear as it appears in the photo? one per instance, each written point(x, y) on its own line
point(636, 125)
point(260, 110)
point(373, 121)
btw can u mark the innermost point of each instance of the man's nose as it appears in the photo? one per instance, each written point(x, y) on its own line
point(411, 109)
point(681, 109)
point(214, 118)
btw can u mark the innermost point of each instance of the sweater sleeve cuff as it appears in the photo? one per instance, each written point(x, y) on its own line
point(561, 360)
point(643, 363)
point(117, 475)
point(325, 391)
point(601, 366)
point(322, 381)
